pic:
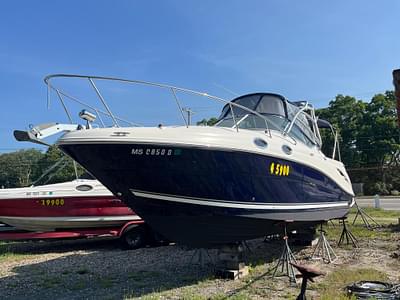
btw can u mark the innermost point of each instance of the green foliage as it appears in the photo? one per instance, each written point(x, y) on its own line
point(369, 139)
point(24, 167)
point(210, 122)
point(66, 172)
point(345, 113)
point(19, 168)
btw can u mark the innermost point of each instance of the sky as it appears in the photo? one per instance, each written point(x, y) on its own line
point(304, 50)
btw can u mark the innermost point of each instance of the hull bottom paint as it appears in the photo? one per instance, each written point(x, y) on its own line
point(204, 197)
point(202, 226)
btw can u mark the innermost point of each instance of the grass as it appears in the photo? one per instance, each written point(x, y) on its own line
point(77, 286)
point(50, 282)
point(143, 275)
point(360, 232)
point(379, 212)
point(106, 282)
point(333, 284)
point(189, 294)
point(382, 217)
point(7, 253)
point(10, 256)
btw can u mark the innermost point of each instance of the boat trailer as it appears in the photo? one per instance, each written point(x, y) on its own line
point(132, 234)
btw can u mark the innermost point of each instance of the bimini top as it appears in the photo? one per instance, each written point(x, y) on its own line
point(296, 119)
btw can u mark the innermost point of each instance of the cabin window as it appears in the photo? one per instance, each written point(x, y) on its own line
point(84, 187)
point(248, 102)
point(271, 105)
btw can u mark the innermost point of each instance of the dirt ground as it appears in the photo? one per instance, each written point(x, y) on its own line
point(99, 269)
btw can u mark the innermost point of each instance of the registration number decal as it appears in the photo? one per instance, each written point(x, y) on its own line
point(279, 169)
point(52, 202)
point(156, 152)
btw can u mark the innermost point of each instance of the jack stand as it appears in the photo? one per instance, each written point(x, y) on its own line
point(366, 218)
point(285, 261)
point(347, 235)
point(199, 257)
point(323, 249)
point(307, 273)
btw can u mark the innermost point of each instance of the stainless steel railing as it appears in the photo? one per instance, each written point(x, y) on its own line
point(62, 95)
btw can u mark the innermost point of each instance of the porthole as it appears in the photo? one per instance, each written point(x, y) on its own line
point(260, 143)
point(287, 149)
point(344, 176)
point(84, 187)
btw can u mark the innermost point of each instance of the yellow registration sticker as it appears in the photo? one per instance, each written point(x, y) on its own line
point(279, 169)
point(52, 202)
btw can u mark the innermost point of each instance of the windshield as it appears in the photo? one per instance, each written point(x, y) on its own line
point(261, 103)
point(276, 114)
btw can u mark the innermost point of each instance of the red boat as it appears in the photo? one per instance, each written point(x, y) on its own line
point(79, 208)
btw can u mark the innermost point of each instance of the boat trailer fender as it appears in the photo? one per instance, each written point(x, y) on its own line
point(128, 226)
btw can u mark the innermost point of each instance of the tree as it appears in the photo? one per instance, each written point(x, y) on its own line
point(65, 172)
point(210, 122)
point(379, 140)
point(346, 114)
point(19, 168)
point(369, 139)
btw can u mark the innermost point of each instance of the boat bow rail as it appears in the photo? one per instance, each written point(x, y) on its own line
point(37, 134)
point(62, 95)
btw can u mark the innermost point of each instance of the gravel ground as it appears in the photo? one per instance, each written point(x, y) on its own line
point(99, 269)
point(94, 270)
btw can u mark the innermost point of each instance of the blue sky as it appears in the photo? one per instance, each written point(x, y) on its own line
point(305, 50)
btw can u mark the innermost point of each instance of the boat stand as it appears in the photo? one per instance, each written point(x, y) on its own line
point(285, 261)
point(323, 249)
point(368, 221)
point(347, 235)
point(200, 257)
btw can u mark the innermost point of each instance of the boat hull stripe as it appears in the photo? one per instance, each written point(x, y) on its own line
point(229, 204)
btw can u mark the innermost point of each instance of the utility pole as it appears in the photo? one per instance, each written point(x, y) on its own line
point(190, 113)
point(396, 82)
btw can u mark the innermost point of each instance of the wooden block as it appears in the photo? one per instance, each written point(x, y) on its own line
point(233, 274)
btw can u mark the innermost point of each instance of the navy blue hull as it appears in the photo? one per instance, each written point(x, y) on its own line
point(204, 193)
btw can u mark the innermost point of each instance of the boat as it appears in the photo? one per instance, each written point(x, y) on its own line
point(77, 204)
point(259, 167)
